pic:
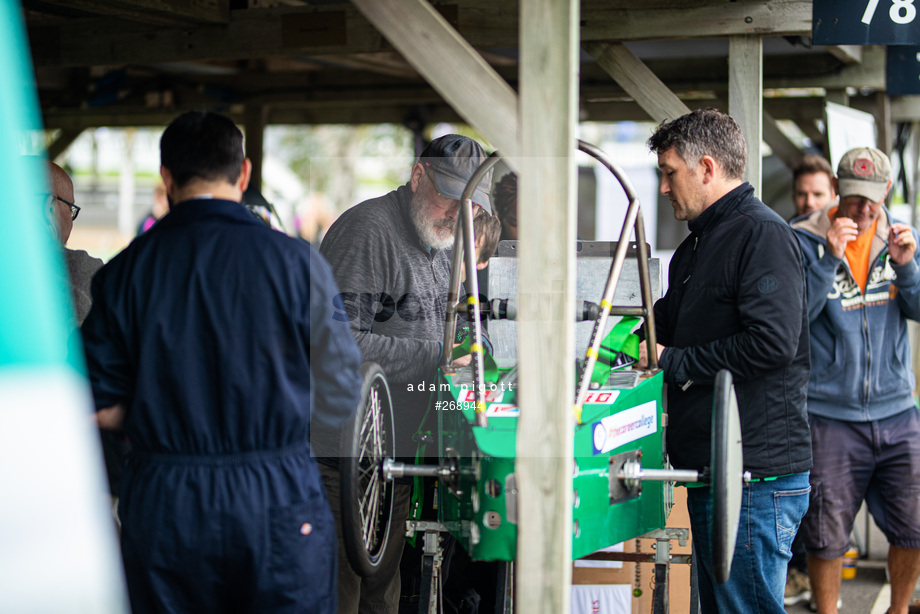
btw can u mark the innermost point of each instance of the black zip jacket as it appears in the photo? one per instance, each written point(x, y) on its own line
point(736, 301)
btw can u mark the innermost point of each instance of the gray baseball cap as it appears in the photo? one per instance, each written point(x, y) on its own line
point(452, 159)
point(864, 171)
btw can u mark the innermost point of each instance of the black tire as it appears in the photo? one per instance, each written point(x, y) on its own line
point(727, 466)
point(367, 497)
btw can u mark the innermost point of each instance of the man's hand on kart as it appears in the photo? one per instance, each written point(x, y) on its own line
point(461, 361)
point(643, 355)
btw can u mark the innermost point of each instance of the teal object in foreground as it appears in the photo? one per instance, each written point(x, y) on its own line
point(34, 297)
point(58, 550)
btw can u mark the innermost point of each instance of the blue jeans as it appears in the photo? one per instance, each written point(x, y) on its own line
point(770, 516)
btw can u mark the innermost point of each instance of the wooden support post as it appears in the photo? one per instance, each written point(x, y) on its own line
point(745, 98)
point(837, 96)
point(546, 325)
point(255, 136)
point(883, 123)
point(915, 176)
point(126, 186)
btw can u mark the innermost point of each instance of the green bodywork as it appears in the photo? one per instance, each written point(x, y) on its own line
point(479, 506)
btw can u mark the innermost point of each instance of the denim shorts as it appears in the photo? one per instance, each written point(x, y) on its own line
point(878, 461)
point(770, 516)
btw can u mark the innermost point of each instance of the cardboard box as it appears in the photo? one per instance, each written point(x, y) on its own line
point(679, 579)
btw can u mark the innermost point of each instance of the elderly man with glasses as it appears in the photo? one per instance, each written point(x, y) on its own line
point(80, 265)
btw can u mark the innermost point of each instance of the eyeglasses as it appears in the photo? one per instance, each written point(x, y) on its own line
point(430, 174)
point(74, 210)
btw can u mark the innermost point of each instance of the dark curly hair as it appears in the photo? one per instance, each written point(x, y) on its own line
point(704, 132)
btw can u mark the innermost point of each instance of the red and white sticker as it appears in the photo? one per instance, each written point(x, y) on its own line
point(503, 410)
point(490, 396)
point(601, 397)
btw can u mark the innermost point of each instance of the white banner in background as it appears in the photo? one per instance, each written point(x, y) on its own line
point(601, 598)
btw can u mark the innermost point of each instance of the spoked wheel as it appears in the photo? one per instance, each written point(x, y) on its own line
point(727, 466)
point(367, 497)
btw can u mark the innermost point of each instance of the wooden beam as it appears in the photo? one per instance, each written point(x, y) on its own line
point(63, 140)
point(848, 54)
point(339, 29)
point(383, 63)
point(905, 109)
point(639, 82)
point(546, 325)
point(868, 74)
point(837, 96)
point(745, 99)
point(797, 109)
point(248, 34)
point(290, 115)
point(157, 12)
point(428, 42)
point(625, 20)
point(809, 128)
point(782, 146)
point(394, 109)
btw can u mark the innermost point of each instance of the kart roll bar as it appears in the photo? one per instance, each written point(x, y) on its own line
point(634, 220)
point(464, 248)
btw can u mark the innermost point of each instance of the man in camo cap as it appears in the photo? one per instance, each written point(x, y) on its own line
point(863, 279)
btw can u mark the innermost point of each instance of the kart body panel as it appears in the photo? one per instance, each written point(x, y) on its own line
point(480, 506)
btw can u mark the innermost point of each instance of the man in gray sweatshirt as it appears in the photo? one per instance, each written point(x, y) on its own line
point(391, 260)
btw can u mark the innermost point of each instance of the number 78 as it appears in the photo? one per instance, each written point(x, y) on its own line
point(894, 13)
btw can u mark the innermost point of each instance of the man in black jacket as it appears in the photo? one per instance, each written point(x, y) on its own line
point(735, 301)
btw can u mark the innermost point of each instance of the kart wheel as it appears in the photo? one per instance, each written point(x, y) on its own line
point(367, 497)
point(727, 466)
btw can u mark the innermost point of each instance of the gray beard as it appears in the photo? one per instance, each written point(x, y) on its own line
point(426, 230)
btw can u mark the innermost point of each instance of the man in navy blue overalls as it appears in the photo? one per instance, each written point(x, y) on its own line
point(211, 342)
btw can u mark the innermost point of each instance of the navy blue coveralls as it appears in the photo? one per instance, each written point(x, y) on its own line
point(217, 333)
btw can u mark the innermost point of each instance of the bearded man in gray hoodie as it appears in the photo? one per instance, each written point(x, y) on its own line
point(391, 259)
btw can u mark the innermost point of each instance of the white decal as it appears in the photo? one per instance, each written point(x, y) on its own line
point(626, 426)
point(503, 411)
point(490, 396)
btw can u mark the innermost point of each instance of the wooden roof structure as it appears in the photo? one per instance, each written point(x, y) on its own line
point(522, 72)
point(141, 62)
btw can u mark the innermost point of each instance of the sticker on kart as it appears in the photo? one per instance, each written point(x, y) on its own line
point(601, 397)
point(625, 427)
point(503, 410)
point(490, 396)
